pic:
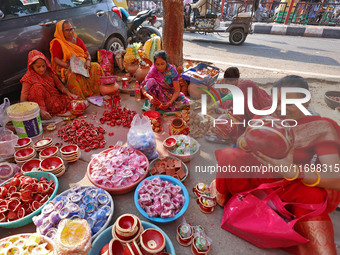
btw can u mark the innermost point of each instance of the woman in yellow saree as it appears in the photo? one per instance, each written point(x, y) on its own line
point(62, 47)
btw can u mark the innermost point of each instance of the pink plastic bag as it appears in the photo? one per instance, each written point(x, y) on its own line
point(105, 59)
point(261, 218)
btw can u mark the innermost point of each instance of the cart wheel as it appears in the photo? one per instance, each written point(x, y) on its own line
point(237, 36)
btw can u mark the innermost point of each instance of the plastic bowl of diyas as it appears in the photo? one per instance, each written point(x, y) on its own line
point(106, 241)
point(118, 170)
point(23, 197)
point(185, 148)
point(80, 202)
point(28, 244)
point(171, 166)
point(161, 198)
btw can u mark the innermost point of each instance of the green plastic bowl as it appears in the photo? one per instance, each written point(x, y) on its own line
point(28, 219)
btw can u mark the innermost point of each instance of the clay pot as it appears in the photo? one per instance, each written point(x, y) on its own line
point(206, 204)
point(108, 89)
point(127, 225)
point(178, 127)
point(141, 72)
point(77, 107)
point(133, 68)
point(188, 232)
point(196, 251)
point(152, 241)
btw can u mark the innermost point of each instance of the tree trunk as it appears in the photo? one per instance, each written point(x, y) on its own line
point(173, 27)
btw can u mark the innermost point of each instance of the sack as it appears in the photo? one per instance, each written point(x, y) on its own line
point(105, 59)
point(140, 136)
point(261, 218)
point(3, 113)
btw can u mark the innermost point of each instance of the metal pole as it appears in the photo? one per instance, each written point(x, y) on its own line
point(222, 7)
point(289, 11)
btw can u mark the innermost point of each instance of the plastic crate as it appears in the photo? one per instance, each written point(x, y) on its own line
point(192, 75)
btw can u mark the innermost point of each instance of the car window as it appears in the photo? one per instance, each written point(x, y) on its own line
point(18, 8)
point(75, 3)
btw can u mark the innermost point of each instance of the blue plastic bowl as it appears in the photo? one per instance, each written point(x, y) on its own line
point(157, 219)
point(106, 236)
point(28, 219)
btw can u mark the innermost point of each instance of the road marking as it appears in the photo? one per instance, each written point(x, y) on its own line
point(266, 68)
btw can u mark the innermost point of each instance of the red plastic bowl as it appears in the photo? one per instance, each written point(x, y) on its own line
point(23, 141)
point(49, 151)
point(68, 149)
point(152, 240)
point(273, 140)
point(23, 153)
point(118, 191)
point(51, 163)
point(152, 114)
point(29, 165)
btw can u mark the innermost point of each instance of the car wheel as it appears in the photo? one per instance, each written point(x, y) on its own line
point(114, 44)
point(237, 36)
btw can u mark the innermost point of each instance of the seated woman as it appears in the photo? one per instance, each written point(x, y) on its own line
point(42, 86)
point(62, 47)
point(317, 141)
point(230, 76)
point(161, 85)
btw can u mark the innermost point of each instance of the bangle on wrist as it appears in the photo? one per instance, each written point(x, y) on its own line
point(317, 180)
point(296, 175)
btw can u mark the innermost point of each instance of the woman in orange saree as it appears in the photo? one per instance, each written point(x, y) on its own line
point(62, 47)
point(317, 140)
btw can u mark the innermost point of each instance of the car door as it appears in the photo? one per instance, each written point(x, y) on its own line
point(24, 25)
point(89, 18)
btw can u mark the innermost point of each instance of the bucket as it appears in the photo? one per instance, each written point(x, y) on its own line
point(26, 119)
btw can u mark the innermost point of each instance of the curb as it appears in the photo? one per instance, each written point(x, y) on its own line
point(297, 30)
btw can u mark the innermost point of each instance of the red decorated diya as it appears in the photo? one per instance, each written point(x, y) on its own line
point(127, 225)
point(49, 151)
point(169, 143)
point(77, 107)
point(50, 164)
point(184, 234)
point(116, 247)
point(24, 153)
point(69, 149)
point(200, 246)
point(152, 241)
point(269, 137)
point(200, 189)
point(178, 127)
point(206, 204)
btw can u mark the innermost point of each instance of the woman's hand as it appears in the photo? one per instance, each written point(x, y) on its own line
point(88, 64)
point(154, 101)
point(72, 96)
point(165, 105)
point(45, 115)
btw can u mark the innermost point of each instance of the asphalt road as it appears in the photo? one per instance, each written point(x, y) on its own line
point(309, 57)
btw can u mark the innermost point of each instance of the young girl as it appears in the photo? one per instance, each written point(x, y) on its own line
point(41, 85)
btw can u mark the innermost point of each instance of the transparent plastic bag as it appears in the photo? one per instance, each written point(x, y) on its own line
point(140, 136)
point(7, 142)
point(3, 113)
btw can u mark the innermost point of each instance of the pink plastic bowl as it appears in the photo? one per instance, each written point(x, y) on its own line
point(30, 165)
point(67, 149)
point(49, 151)
point(51, 163)
point(118, 191)
point(24, 153)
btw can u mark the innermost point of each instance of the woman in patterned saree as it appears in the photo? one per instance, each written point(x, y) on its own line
point(62, 47)
point(161, 86)
point(317, 141)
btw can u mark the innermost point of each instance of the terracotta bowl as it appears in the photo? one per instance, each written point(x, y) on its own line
point(49, 164)
point(126, 225)
point(43, 142)
point(31, 165)
point(152, 241)
point(24, 153)
point(127, 239)
point(115, 247)
point(169, 143)
point(69, 149)
point(22, 142)
point(49, 151)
